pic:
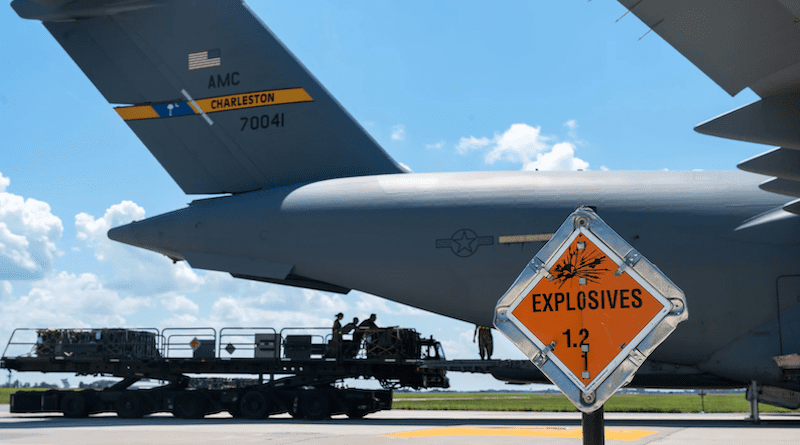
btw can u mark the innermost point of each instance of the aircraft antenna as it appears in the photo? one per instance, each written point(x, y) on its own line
point(629, 10)
point(651, 28)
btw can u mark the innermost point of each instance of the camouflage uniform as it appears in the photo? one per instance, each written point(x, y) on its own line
point(485, 342)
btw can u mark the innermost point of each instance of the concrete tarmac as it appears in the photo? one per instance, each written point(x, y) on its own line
point(400, 427)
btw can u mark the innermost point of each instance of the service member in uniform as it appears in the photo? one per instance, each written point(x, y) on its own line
point(350, 348)
point(350, 326)
point(366, 330)
point(485, 345)
point(336, 336)
point(337, 326)
point(369, 323)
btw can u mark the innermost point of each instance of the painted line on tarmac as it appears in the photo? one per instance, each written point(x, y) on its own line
point(626, 435)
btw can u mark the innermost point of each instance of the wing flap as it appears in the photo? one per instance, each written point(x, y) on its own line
point(782, 187)
point(771, 121)
point(793, 207)
point(779, 162)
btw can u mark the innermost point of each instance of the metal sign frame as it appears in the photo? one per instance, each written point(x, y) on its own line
point(620, 371)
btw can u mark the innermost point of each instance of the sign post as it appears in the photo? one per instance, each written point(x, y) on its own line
point(587, 311)
point(594, 427)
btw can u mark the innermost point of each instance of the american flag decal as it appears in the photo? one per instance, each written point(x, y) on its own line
point(204, 59)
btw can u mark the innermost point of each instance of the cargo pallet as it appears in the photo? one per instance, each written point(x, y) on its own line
point(297, 369)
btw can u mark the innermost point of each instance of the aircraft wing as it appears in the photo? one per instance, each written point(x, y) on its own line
point(213, 94)
point(743, 44)
point(737, 43)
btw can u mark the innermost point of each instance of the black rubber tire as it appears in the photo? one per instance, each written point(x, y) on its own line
point(254, 405)
point(356, 414)
point(314, 405)
point(235, 410)
point(129, 405)
point(295, 411)
point(73, 405)
point(190, 405)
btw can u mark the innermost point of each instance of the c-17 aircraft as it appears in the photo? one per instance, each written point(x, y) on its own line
point(305, 197)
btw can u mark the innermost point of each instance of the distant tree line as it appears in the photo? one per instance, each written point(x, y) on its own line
point(18, 384)
point(99, 384)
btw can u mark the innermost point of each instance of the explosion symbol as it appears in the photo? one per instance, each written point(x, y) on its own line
point(581, 263)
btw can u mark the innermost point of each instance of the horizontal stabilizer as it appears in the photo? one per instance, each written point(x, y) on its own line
point(213, 94)
point(781, 162)
point(771, 121)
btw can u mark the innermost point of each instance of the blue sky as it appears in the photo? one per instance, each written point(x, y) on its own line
point(442, 86)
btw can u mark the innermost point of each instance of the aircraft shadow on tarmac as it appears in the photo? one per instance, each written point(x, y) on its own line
point(786, 420)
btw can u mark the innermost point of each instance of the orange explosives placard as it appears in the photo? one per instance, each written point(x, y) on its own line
point(588, 309)
point(586, 312)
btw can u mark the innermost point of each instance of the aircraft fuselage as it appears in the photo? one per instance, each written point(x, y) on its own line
point(433, 241)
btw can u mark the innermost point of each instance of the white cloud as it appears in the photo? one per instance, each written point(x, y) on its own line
point(93, 230)
point(4, 182)
point(281, 307)
point(230, 311)
point(561, 157)
point(133, 269)
point(181, 321)
point(437, 146)
point(406, 168)
point(604, 168)
point(70, 300)
point(518, 144)
point(526, 145)
point(28, 236)
point(466, 145)
point(179, 303)
point(6, 289)
point(398, 132)
point(572, 125)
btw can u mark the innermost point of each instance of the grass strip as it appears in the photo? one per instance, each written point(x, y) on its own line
point(631, 403)
point(5, 393)
point(643, 403)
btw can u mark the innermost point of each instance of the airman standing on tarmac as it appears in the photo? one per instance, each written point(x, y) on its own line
point(485, 342)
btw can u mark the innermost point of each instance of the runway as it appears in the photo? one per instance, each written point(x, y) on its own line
point(400, 427)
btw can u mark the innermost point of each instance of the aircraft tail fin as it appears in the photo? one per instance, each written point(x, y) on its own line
point(218, 100)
